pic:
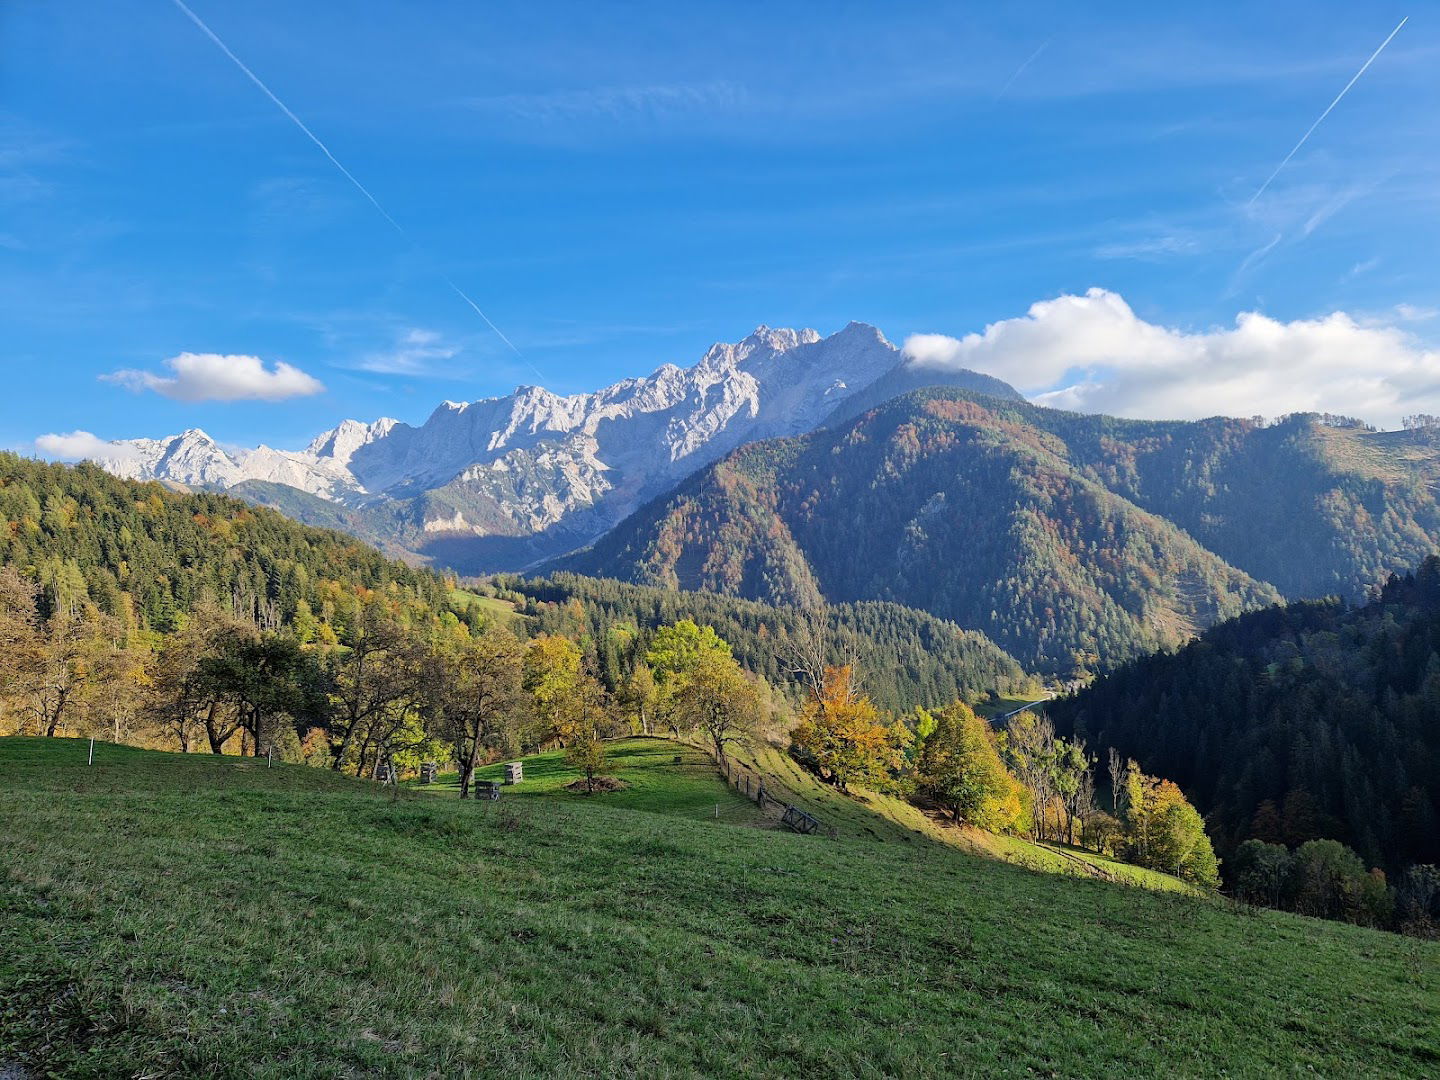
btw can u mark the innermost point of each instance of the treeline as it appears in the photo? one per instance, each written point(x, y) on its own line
point(909, 656)
point(1326, 879)
point(386, 691)
point(1309, 721)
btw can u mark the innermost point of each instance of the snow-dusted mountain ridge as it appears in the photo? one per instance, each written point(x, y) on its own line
point(500, 482)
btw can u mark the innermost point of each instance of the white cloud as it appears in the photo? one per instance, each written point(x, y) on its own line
point(414, 353)
point(82, 445)
point(1092, 353)
point(214, 377)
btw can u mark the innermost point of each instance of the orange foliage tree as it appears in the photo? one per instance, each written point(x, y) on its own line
point(842, 732)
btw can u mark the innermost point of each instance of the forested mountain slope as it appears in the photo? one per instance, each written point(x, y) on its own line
point(1069, 539)
point(1315, 508)
point(148, 556)
point(949, 502)
point(908, 656)
point(1312, 720)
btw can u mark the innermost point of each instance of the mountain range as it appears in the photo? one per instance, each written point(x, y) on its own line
point(503, 482)
point(1072, 541)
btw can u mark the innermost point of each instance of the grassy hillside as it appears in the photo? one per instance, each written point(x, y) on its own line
point(162, 915)
point(660, 776)
point(875, 817)
point(677, 779)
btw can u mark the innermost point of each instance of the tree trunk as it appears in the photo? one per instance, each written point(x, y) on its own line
point(468, 766)
point(53, 725)
point(217, 744)
point(339, 751)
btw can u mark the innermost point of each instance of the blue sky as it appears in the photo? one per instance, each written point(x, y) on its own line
point(619, 186)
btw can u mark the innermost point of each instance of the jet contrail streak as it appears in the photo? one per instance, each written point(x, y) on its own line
point(1021, 69)
point(343, 171)
point(1324, 114)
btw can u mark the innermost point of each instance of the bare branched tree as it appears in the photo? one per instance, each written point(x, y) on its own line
point(805, 654)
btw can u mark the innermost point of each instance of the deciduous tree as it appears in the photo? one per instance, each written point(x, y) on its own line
point(717, 699)
point(960, 768)
point(841, 733)
point(477, 696)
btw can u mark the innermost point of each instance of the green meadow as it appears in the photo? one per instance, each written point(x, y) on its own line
point(168, 915)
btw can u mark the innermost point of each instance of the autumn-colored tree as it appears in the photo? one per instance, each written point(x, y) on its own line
point(73, 658)
point(589, 723)
point(1167, 833)
point(639, 697)
point(476, 695)
point(1030, 751)
point(960, 768)
point(552, 676)
point(21, 643)
point(717, 699)
point(841, 733)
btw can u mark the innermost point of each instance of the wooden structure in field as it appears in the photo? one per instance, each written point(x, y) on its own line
point(427, 772)
point(487, 789)
point(799, 821)
point(514, 772)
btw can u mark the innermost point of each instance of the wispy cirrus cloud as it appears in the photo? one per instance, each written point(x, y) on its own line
point(614, 103)
point(1153, 248)
point(218, 377)
point(415, 352)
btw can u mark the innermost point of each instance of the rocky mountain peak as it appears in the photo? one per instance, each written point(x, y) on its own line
point(539, 471)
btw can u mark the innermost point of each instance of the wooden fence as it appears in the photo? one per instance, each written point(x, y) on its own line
point(751, 783)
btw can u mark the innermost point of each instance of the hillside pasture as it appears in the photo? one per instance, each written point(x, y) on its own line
point(171, 915)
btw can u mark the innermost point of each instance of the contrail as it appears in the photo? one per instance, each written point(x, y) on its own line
point(345, 172)
point(1324, 114)
point(1021, 69)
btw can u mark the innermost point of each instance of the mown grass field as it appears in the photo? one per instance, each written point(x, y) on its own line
point(168, 915)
